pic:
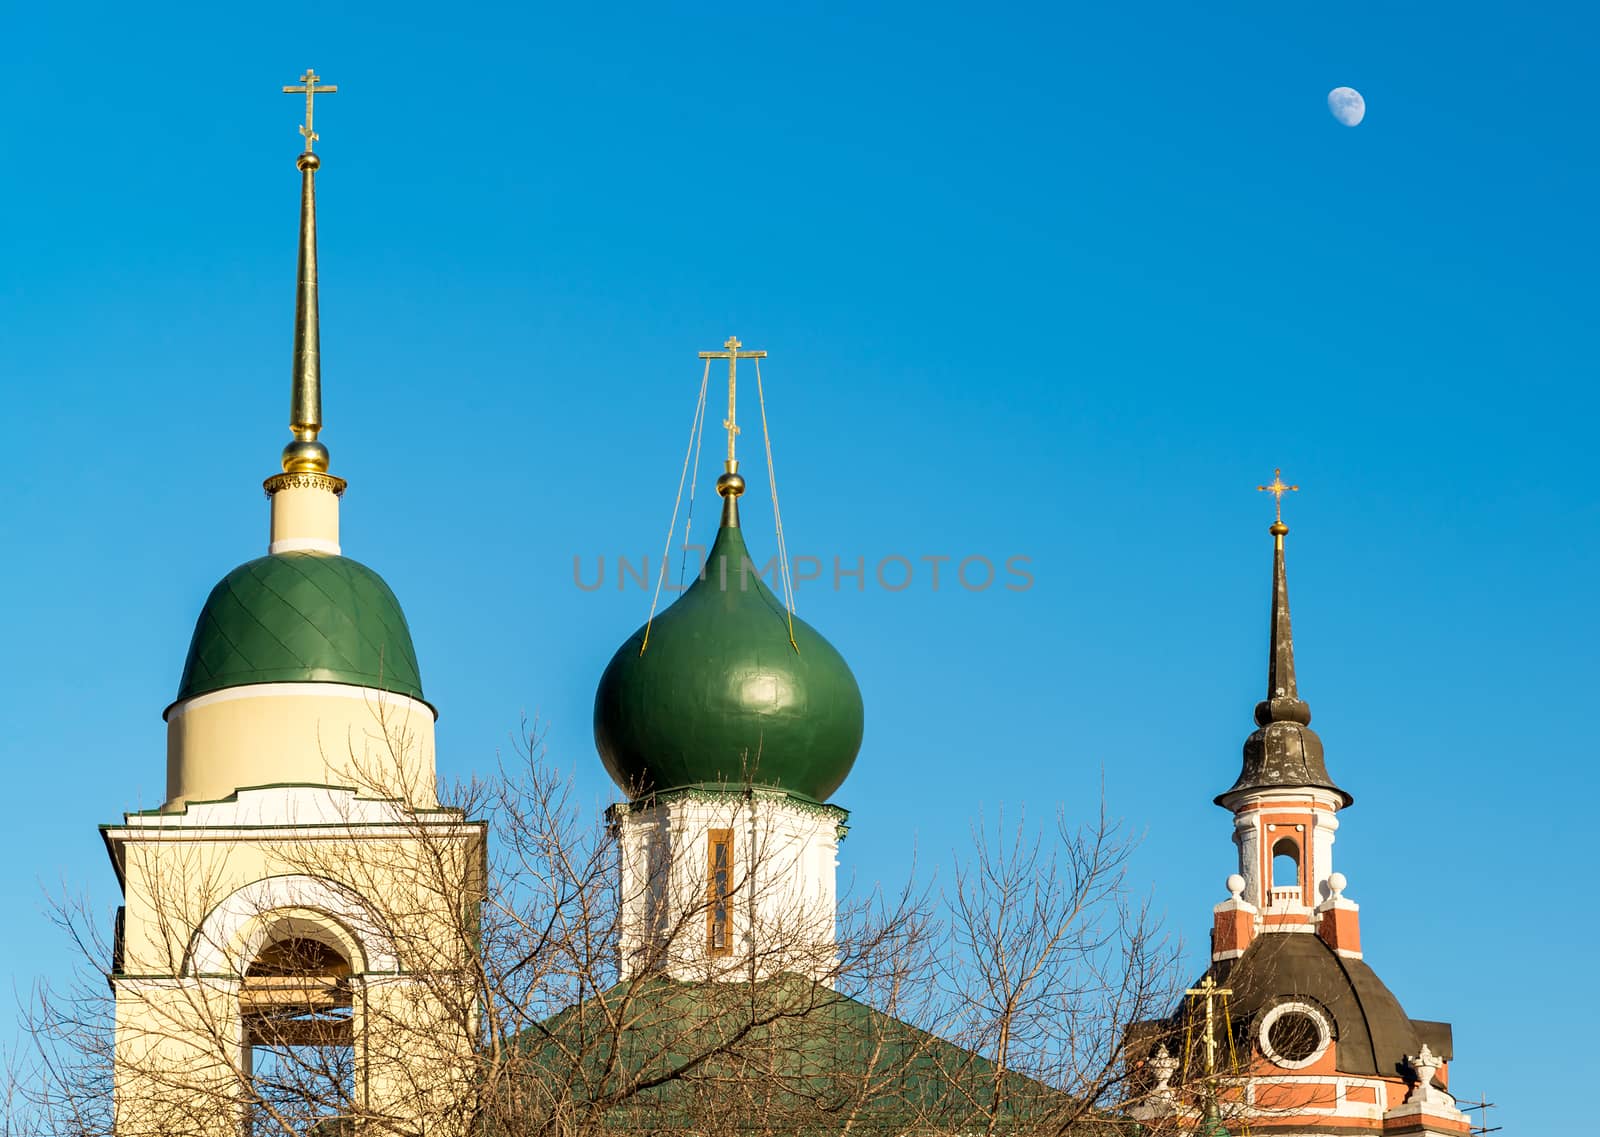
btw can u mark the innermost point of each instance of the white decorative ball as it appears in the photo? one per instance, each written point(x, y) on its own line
point(1235, 885)
point(1336, 882)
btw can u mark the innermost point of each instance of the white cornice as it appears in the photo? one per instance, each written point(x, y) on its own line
point(253, 810)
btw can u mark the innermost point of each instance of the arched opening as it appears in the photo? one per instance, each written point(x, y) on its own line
point(1285, 865)
point(297, 1007)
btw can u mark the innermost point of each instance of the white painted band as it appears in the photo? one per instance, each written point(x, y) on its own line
point(304, 545)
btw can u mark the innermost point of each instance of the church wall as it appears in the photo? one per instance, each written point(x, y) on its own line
point(417, 1051)
point(414, 884)
point(206, 890)
point(781, 891)
point(179, 1055)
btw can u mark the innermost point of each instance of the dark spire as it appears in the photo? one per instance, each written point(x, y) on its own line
point(1283, 752)
point(1282, 703)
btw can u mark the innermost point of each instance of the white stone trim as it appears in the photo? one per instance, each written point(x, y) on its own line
point(1247, 836)
point(304, 545)
point(1266, 798)
point(284, 807)
point(1341, 1083)
point(234, 931)
point(1323, 827)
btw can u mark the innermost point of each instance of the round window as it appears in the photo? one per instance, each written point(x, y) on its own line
point(1294, 1035)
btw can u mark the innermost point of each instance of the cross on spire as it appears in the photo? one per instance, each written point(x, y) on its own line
point(1277, 489)
point(308, 87)
point(733, 353)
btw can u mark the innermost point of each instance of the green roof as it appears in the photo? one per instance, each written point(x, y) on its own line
point(301, 618)
point(720, 696)
point(788, 1053)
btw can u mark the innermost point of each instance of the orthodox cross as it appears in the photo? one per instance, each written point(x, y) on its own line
point(308, 87)
point(1209, 990)
point(1277, 489)
point(732, 353)
point(1483, 1126)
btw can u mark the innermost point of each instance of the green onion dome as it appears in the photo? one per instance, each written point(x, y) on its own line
point(719, 696)
point(301, 618)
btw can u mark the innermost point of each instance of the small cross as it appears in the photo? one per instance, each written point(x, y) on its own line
point(308, 87)
point(1209, 990)
point(733, 355)
point(1277, 489)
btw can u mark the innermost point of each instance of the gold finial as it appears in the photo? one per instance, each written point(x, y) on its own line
point(733, 352)
point(305, 456)
point(1277, 489)
point(308, 87)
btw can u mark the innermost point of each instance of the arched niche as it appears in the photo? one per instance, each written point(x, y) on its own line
point(1285, 863)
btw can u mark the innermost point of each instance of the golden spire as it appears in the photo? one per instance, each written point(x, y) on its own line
point(731, 484)
point(306, 455)
point(1277, 489)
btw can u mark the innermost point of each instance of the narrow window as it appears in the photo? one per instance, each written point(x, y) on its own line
point(719, 883)
point(1286, 864)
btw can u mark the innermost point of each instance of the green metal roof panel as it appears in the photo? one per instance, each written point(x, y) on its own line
point(297, 618)
point(820, 1058)
point(720, 696)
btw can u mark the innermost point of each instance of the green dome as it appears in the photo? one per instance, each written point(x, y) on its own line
point(301, 618)
point(720, 696)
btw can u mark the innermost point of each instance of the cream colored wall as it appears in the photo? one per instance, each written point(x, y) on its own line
point(393, 895)
point(417, 1055)
point(413, 883)
point(181, 1059)
point(177, 1059)
point(376, 742)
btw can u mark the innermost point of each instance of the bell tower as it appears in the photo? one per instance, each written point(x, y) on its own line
point(1289, 1030)
point(1285, 806)
point(295, 912)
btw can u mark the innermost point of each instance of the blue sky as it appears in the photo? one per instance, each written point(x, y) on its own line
point(1053, 283)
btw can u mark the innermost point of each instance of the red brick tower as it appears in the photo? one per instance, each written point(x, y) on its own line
point(1290, 1031)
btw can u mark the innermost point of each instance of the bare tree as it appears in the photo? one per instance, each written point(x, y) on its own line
point(456, 969)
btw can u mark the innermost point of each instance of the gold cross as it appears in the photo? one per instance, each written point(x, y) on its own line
point(1277, 489)
point(1209, 989)
point(733, 355)
point(308, 87)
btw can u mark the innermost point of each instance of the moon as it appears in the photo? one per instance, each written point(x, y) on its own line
point(1347, 105)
